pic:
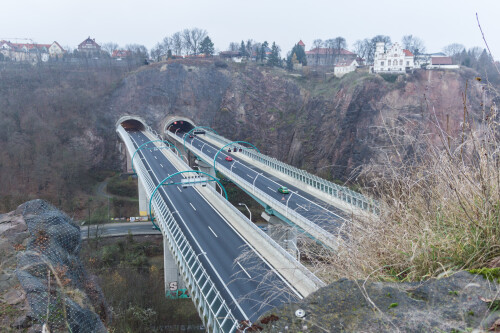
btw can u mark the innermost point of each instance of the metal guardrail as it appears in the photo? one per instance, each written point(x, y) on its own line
point(273, 243)
point(340, 192)
point(309, 226)
point(211, 307)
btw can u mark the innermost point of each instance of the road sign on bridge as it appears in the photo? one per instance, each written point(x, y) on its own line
point(185, 182)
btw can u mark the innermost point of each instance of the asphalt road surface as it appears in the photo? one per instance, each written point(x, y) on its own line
point(249, 284)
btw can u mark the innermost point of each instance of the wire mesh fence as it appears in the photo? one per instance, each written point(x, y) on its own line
point(60, 293)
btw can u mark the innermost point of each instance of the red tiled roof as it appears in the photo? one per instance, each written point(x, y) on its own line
point(324, 50)
point(408, 53)
point(441, 61)
point(120, 53)
point(301, 43)
point(89, 41)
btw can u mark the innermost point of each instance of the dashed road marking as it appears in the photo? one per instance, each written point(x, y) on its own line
point(212, 231)
point(304, 208)
point(192, 206)
point(179, 189)
point(244, 270)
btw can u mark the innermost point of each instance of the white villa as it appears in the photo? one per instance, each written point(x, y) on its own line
point(344, 67)
point(393, 60)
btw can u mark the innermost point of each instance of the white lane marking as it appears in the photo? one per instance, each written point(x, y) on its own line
point(212, 231)
point(244, 270)
point(192, 206)
point(304, 208)
point(179, 189)
point(270, 188)
point(249, 175)
point(161, 165)
point(156, 157)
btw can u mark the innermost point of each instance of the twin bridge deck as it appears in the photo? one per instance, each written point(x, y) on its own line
point(208, 249)
point(324, 216)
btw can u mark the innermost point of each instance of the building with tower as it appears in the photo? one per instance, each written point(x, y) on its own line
point(393, 60)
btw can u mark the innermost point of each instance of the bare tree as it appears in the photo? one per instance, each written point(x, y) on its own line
point(192, 39)
point(340, 43)
point(233, 47)
point(330, 45)
point(475, 52)
point(414, 44)
point(157, 51)
point(109, 47)
point(167, 43)
point(317, 43)
point(362, 47)
point(453, 49)
point(177, 43)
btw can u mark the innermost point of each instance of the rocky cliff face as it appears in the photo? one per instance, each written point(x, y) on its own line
point(461, 303)
point(42, 280)
point(325, 125)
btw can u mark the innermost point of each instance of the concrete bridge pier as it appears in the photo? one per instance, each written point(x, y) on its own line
point(143, 199)
point(174, 284)
point(283, 234)
point(206, 168)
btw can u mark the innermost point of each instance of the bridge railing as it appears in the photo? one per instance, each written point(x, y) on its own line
point(340, 192)
point(273, 243)
point(326, 237)
point(212, 308)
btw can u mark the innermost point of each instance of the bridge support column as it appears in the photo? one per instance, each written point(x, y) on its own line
point(282, 233)
point(128, 163)
point(174, 284)
point(143, 199)
point(207, 168)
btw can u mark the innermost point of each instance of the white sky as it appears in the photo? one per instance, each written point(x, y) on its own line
point(437, 22)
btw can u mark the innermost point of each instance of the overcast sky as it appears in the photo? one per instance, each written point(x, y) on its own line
point(437, 22)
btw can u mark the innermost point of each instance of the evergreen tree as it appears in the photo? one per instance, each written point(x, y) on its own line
point(274, 58)
point(297, 55)
point(263, 48)
point(207, 47)
point(243, 50)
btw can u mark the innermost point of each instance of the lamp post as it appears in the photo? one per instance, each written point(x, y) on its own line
point(296, 248)
point(253, 184)
point(249, 212)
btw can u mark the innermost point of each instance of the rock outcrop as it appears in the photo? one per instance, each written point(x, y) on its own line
point(42, 280)
point(329, 126)
point(461, 303)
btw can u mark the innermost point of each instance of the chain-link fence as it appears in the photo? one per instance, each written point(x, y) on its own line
point(60, 292)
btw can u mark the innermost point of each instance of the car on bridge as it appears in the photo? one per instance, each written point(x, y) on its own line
point(229, 158)
point(191, 136)
point(283, 189)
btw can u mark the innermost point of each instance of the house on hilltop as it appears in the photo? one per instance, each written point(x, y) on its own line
point(322, 56)
point(393, 60)
point(89, 47)
point(441, 63)
point(342, 68)
point(121, 54)
point(26, 52)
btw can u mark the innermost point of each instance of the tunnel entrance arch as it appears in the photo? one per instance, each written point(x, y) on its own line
point(173, 123)
point(132, 123)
